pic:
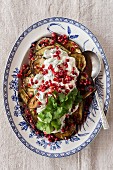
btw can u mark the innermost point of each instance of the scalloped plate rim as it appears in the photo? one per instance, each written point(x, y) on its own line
point(5, 85)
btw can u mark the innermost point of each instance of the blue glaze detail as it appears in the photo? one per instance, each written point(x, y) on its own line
point(24, 125)
point(68, 30)
point(54, 24)
point(108, 82)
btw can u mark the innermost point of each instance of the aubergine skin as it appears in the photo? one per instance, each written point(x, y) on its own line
point(81, 62)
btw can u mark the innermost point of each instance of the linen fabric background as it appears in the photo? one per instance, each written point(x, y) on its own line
point(15, 17)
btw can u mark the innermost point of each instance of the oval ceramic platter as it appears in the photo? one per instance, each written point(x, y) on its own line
point(87, 41)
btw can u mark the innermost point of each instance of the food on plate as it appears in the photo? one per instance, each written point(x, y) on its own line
point(56, 87)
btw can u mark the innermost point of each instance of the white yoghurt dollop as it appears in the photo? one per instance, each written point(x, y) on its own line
point(55, 62)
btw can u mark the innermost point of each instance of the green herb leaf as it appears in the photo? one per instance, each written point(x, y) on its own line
point(40, 125)
point(49, 128)
point(56, 124)
point(48, 117)
point(61, 97)
point(57, 107)
point(58, 113)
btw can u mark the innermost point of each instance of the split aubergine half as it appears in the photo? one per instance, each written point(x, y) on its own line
point(74, 51)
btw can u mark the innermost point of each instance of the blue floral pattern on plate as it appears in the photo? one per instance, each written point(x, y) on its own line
point(18, 111)
point(14, 83)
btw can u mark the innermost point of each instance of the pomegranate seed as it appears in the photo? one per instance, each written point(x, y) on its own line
point(63, 130)
point(41, 69)
point(29, 84)
point(24, 66)
point(61, 74)
point(70, 86)
point(75, 45)
point(59, 91)
point(52, 42)
point(42, 81)
point(56, 139)
point(58, 57)
point(33, 44)
point(31, 79)
point(85, 75)
point(81, 65)
point(19, 75)
point(60, 38)
point(43, 65)
point(54, 84)
point(49, 92)
point(50, 66)
point(65, 72)
point(59, 66)
point(76, 74)
point(24, 104)
point(37, 132)
point(46, 40)
point(69, 78)
point(65, 63)
point(67, 116)
point(31, 95)
point(45, 72)
point(73, 72)
point(55, 73)
point(22, 86)
point(46, 82)
point(21, 71)
point(65, 42)
point(55, 79)
point(54, 35)
point(64, 82)
point(30, 54)
point(57, 47)
point(65, 36)
point(43, 89)
point(58, 52)
point(62, 87)
point(66, 128)
point(38, 94)
point(32, 59)
point(67, 90)
point(49, 81)
point(90, 89)
point(39, 103)
point(43, 45)
point(50, 140)
point(60, 79)
point(55, 55)
point(88, 82)
point(67, 60)
point(36, 81)
point(72, 125)
point(72, 49)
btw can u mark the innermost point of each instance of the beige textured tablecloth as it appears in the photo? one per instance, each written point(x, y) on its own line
point(15, 17)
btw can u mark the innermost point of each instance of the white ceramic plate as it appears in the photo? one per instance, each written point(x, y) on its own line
point(80, 34)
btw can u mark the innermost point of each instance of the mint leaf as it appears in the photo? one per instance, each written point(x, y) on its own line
point(48, 128)
point(48, 117)
point(41, 116)
point(56, 124)
point(40, 126)
point(58, 113)
point(58, 105)
point(61, 97)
